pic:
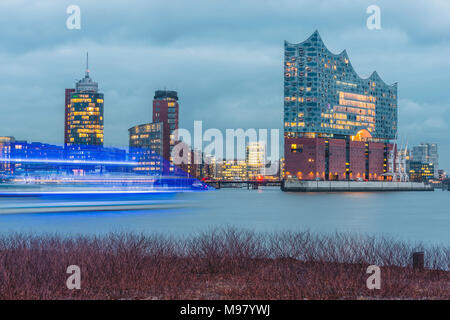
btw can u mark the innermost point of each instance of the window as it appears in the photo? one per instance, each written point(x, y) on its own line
point(296, 148)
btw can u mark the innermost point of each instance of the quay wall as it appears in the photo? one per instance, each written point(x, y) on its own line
point(352, 186)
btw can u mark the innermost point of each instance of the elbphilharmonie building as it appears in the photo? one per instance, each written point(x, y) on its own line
point(337, 125)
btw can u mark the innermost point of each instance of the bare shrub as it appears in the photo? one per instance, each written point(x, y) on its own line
point(221, 263)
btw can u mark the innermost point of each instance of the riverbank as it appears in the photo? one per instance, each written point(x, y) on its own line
point(219, 264)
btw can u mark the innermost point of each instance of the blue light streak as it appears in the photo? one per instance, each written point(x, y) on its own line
point(78, 162)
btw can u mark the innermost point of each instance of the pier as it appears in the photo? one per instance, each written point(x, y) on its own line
point(352, 186)
point(249, 184)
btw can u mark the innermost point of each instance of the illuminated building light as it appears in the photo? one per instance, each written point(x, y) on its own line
point(78, 162)
point(84, 114)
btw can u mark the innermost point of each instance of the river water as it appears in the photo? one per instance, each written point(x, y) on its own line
point(414, 216)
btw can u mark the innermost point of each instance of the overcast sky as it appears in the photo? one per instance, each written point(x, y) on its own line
point(225, 59)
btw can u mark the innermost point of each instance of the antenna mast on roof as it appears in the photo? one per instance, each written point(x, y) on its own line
point(87, 64)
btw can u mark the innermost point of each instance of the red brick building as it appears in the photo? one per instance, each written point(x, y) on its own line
point(166, 110)
point(335, 159)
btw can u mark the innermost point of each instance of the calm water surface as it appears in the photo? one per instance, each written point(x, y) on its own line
point(421, 216)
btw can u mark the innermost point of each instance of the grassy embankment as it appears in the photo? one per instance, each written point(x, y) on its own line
point(219, 264)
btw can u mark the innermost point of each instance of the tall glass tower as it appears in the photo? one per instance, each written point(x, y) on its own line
point(337, 125)
point(85, 114)
point(325, 97)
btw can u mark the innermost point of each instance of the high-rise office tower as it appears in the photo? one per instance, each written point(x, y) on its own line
point(165, 110)
point(84, 121)
point(151, 144)
point(67, 106)
point(146, 147)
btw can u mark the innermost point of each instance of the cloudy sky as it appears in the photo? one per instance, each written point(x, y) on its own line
point(225, 58)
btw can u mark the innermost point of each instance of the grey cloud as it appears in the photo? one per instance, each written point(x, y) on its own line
point(224, 57)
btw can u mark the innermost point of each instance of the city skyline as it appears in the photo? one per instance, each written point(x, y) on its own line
point(252, 83)
point(224, 152)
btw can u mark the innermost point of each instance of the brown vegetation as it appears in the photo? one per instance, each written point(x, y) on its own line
point(219, 264)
